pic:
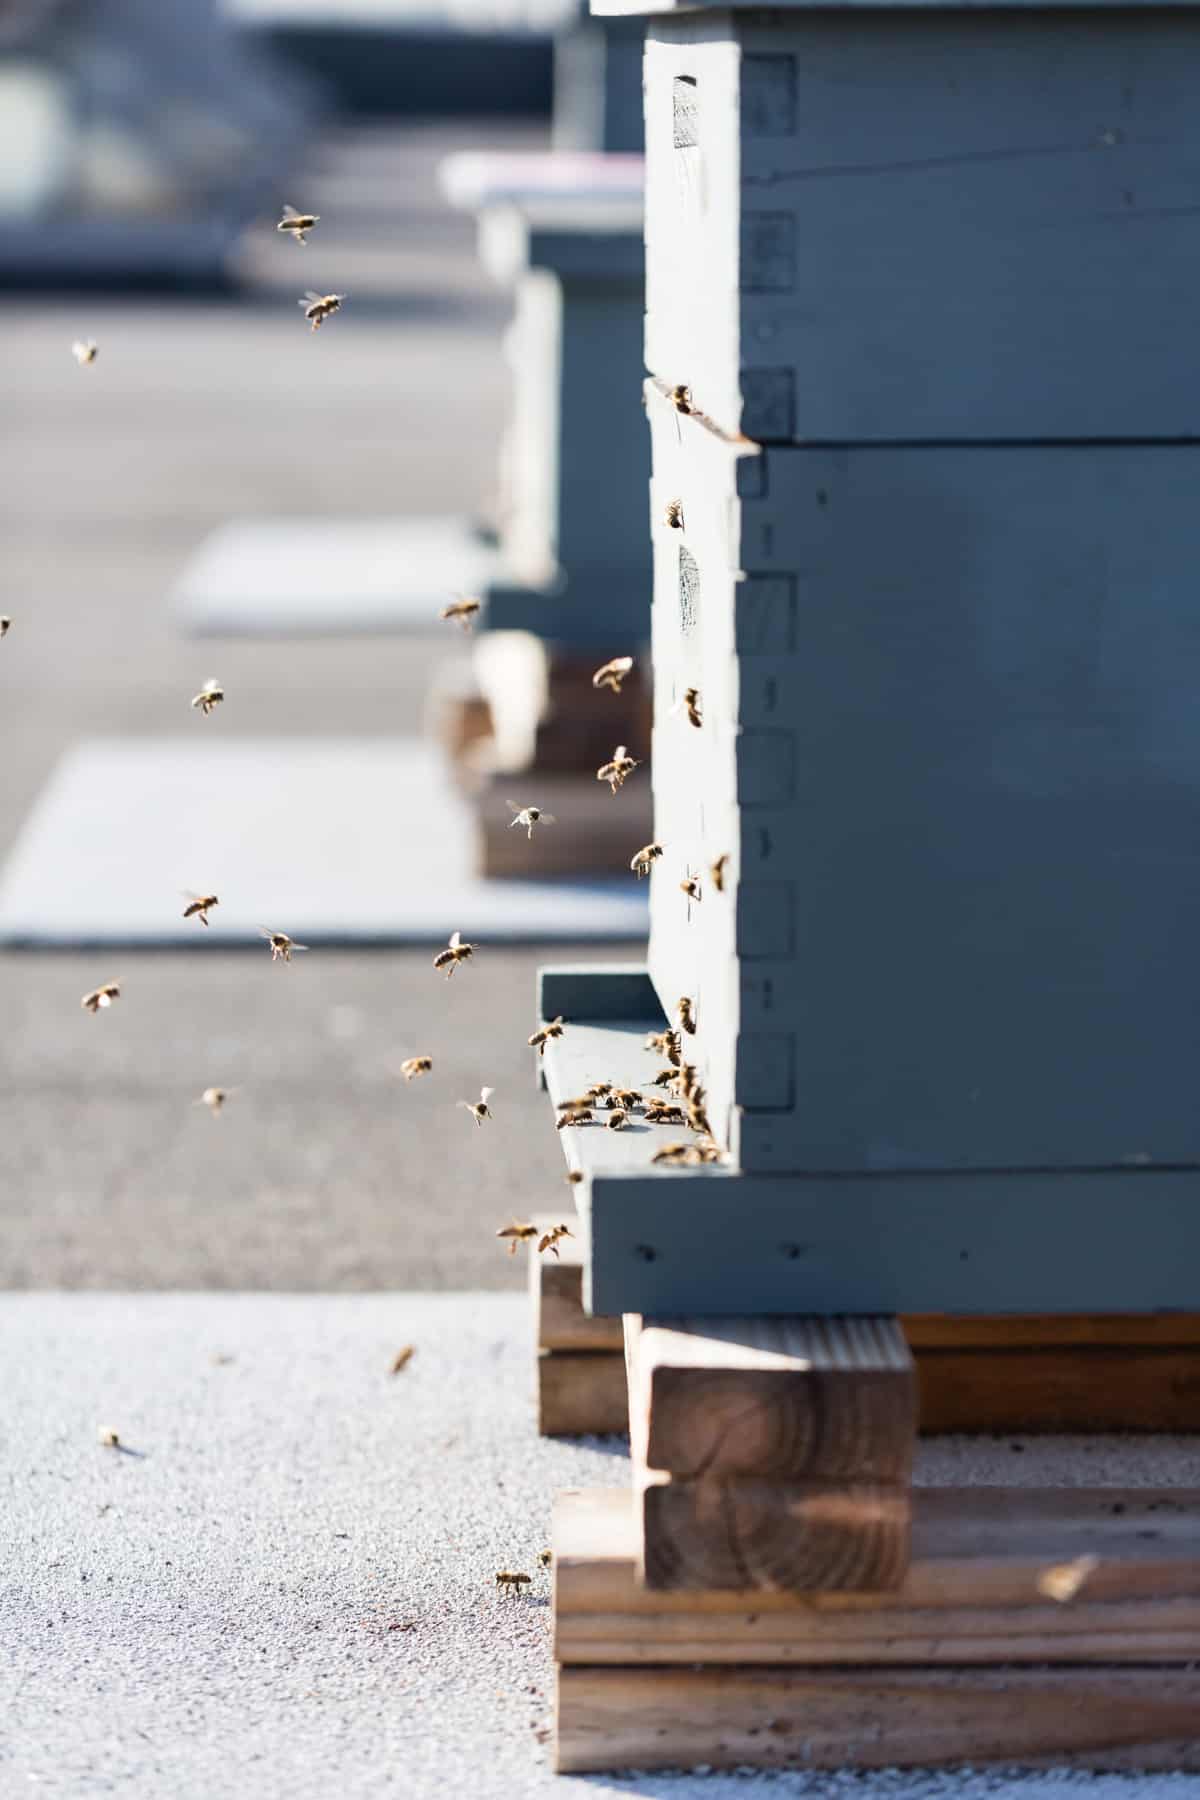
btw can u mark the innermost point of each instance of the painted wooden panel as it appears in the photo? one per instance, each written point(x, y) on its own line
point(976, 226)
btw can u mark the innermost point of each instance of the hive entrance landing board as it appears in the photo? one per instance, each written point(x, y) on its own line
point(337, 840)
point(296, 577)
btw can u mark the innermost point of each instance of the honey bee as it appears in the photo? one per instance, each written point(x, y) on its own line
point(673, 514)
point(551, 1239)
point(281, 944)
point(673, 1045)
point(109, 1438)
point(297, 224)
point(716, 873)
point(517, 1233)
point(617, 1118)
point(573, 1177)
point(626, 1098)
point(666, 1078)
point(545, 1558)
point(5, 623)
point(690, 887)
point(689, 702)
point(85, 351)
point(198, 906)
point(657, 1040)
point(573, 1115)
point(463, 610)
point(646, 856)
point(478, 1109)
point(402, 1358)
point(529, 816)
point(210, 695)
point(214, 1098)
point(618, 771)
point(416, 1065)
point(598, 1090)
point(101, 996)
point(613, 673)
point(681, 398)
point(1062, 1581)
point(541, 1037)
point(687, 1013)
point(319, 307)
point(707, 1150)
point(511, 1581)
point(675, 1154)
point(454, 953)
point(697, 1116)
point(663, 1112)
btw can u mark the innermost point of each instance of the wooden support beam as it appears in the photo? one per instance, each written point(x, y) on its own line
point(581, 1394)
point(771, 1453)
point(974, 1590)
point(556, 1290)
point(856, 1718)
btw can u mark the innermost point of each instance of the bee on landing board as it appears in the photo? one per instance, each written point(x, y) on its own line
point(687, 1013)
point(511, 1581)
point(478, 1109)
point(551, 1239)
point(618, 771)
point(85, 351)
point(210, 695)
point(673, 514)
point(573, 1115)
point(613, 673)
point(657, 1040)
point(198, 905)
point(297, 224)
point(454, 953)
point(597, 1090)
point(663, 1112)
point(541, 1037)
point(529, 816)
point(464, 610)
point(716, 873)
point(642, 863)
point(617, 1118)
point(101, 997)
point(281, 944)
point(517, 1233)
point(625, 1098)
point(319, 307)
point(673, 1045)
point(416, 1065)
point(665, 1078)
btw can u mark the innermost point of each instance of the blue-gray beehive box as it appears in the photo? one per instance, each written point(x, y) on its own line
point(928, 274)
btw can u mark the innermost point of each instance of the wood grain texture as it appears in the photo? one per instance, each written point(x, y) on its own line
point(970, 1595)
point(1044, 1331)
point(1071, 1388)
point(581, 1393)
point(644, 1718)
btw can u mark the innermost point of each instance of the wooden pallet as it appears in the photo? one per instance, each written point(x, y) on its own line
point(970, 1661)
point(1029, 1375)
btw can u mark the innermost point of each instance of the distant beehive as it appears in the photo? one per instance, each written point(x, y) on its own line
point(938, 265)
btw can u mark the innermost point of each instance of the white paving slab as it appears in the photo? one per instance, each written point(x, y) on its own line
point(302, 576)
point(284, 1587)
point(337, 840)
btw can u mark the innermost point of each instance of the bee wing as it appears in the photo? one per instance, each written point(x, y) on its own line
point(289, 212)
point(455, 939)
point(513, 807)
point(296, 946)
point(547, 819)
point(620, 753)
point(485, 1094)
point(263, 931)
point(310, 297)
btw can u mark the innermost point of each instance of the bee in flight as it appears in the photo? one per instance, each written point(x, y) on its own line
point(541, 1037)
point(479, 1109)
point(689, 703)
point(573, 1177)
point(613, 673)
point(198, 905)
point(464, 610)
point(673, 1045)
point(716, 873)
point(402, 1358)
point(85, 351)
point(673, 514)
point(415, 1065)
point(529, 816)
point(517, 1233)
point(101, 996)
point(511, 1581)
point(687, 1014)
point(454, 953)
point(1062, 1581)
point(545, 1558)
point(109, 1438)
point(210, 695)
point(618, 771)
point(690, 887)
point(281, 944)
point(319, 307)
point(5, 623)
point(641, 863)
point(297, 224)
point(551, 1239)
point(681, 398)
point(214, 1098)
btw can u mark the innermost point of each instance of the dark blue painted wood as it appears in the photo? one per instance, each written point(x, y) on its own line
point(620, 991)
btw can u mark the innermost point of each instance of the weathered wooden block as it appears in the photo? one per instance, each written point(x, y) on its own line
point(771, 1454)
point(923, 227)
